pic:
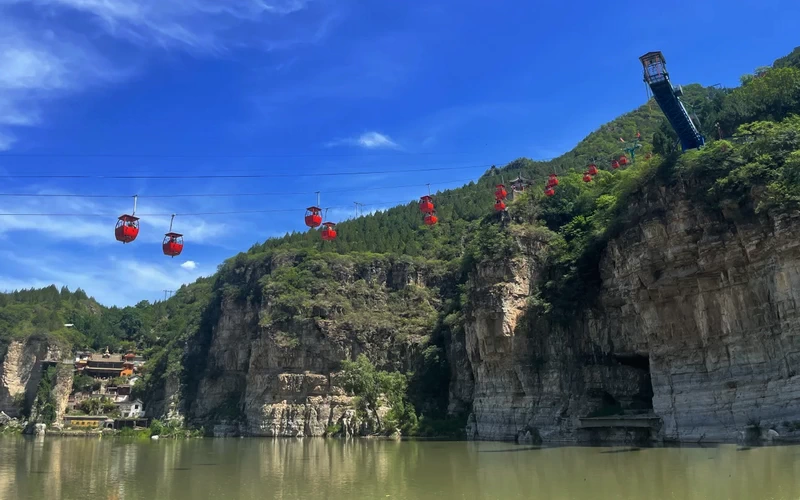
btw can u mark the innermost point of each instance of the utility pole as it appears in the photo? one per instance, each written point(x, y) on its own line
point(359, 208)
point(170, 292)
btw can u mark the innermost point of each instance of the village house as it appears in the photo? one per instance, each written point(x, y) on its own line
point(131, 409)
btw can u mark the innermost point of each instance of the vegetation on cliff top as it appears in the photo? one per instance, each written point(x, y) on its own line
point(752, 171)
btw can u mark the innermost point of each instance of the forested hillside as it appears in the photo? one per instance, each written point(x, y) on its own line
point(751, 160)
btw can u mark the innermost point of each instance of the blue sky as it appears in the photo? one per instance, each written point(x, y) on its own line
point(302, 87)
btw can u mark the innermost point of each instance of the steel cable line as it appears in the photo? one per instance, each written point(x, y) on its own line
point(222, 195)
point(216, 156)
point(184, 214)
point(146, 168)
point(235, 176)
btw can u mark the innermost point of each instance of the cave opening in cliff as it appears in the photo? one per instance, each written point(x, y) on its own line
point(643, 400)
point(638, 361)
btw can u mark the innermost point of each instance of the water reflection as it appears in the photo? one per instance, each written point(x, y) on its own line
point(98, 468)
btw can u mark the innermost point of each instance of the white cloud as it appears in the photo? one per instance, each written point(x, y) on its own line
point(367, 140)
point(189, 265)
point(372, 140)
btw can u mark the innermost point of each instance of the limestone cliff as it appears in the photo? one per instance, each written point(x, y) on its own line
point(21, 371)
point(265, 373)
point(693, 323)
point(696, 322)
point(62, 389)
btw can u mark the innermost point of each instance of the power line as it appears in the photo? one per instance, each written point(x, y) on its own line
point(222, 195)
point(235, 176)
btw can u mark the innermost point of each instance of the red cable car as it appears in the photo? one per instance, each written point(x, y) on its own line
point(614, 164)
point(430, 219)
point(500, 193)
point(549, 192)
point(623, 160)
point(313, 217)
point(499, 206)
point(426, 204)
point(552, 181)
point(173, 244)
point(127, 228)
point(587, 177)
point(592, 169)
point(328, 232)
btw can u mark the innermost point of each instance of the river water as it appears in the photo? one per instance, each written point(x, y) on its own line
point(333, 469)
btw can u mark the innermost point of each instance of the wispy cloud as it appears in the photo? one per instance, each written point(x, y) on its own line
point(352, 72)
point(6, 141)
point(207, 25)
point(445, 122)
point(36, 66)
point(50, 49)
point(367, 140)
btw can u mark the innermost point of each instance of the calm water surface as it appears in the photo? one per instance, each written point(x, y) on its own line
point(104, 468)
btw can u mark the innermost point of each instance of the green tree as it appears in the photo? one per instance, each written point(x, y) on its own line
point(84, 383)
point(45, 400)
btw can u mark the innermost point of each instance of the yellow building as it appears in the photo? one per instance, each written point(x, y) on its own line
point(88, 421)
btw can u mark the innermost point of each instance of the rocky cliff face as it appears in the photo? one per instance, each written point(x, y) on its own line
point(278, 378)
point(61, 390)
point(21, 371)
point(696, 322)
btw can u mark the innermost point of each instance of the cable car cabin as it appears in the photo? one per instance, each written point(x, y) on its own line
point(430, 219)
point(587, 177)
point(127, 228)
point(313, 217)
point(426, 204)
point(500, 193)
point(614, 164)
point(499, 206)
point(592, 169)
point(623, 160)
point(552, 181)
point(328, 232)
point(173, 244)
point(549, 192)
